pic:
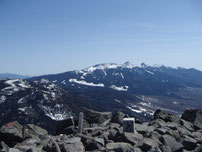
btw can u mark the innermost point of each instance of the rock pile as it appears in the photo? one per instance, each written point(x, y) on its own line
point(104, 133)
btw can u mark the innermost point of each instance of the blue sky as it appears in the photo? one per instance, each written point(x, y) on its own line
point(50, 36)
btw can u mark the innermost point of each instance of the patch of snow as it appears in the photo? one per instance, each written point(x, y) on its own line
point(21, 100)
point(55, 114)
point(2, 99)
point(122, 76)
point(63, 82)
point(55, 81)
point(149, 72)
point(51, 86)
point(82, 82)
point(45, 96)
point(82, 77)
point(44, 81)
point(134, 110)
point(24, 85)
point(15, 85)
point(117, 100)
point(127, 65)
point(56, 117)
point(22, 109)
point(119, 88)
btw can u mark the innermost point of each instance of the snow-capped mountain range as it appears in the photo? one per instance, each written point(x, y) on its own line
point(142, 89)
point(136, 90)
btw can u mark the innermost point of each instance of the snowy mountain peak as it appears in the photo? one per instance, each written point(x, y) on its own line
point(128, 65)
point(108, 66)
point(143, 65)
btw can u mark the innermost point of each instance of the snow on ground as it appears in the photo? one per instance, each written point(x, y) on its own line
point(22, 109)
point(122, 76)
point(14, 86)
point(149, 72)
point(134, 110)
point(55, 114)
point(2, 99)
point(117, 100)
point(51, 86)
point(63, 82)
point(82, 82)
point(125, 88)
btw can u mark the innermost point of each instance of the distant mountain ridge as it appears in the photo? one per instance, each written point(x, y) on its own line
point(140, 89)
point(12, 76)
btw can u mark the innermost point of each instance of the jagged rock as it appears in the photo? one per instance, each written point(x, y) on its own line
point(33, 131)
point(175, 134)
point(183, 131)
point(120, 147)
point(63, 125)
point(189, 126)
point(118, 117)
point(189, 143)
point(165, 148)
point(32, 144)
point(115, 135)
point(154, 149)
point(100, 140)
point(133, 138)
point(4, 147)
point(14, 150)
point(73, 147)
point(11, 133)
point(167, 117)
point(171, 142)
point(148, 144)
point(144, 129)
point(51, 145)
point(193, 116)
point(90, 143)
point(136, 149)
point(199, 149)
point(67, 131)
point(161, 131)
point(197, 136)
point(97, 117)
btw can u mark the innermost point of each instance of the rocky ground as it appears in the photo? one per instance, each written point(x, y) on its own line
point(103, 132)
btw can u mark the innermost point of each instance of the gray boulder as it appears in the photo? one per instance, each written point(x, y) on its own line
point(33, 131)
point(149, 144)
point(165, 148)
point(189, 143)
point(97, 117)
point(133, 138)
point(171, 142)
point(73, 147)
point(118, 117)
point(11, 133)
point(64, 124)
point(120, 147)
point(165, 116)
point(193, 116)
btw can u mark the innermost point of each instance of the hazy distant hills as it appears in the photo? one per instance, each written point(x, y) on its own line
point(139, 89)
point(12, 76)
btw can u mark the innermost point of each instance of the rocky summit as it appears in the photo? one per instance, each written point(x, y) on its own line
point(103, 132)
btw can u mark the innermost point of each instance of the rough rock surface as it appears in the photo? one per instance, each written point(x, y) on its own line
point(166, 133)
point(194, 116)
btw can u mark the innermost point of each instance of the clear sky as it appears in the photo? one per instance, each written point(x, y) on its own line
point(51, 36)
